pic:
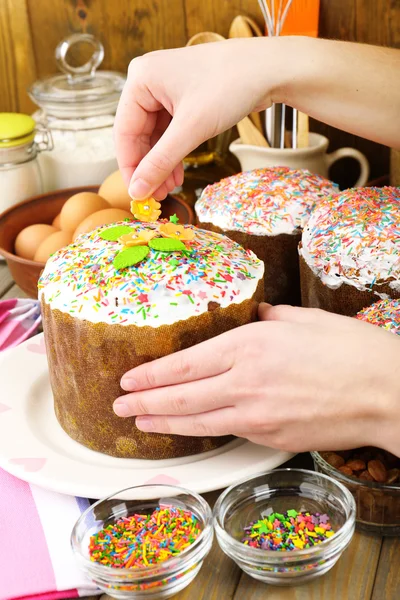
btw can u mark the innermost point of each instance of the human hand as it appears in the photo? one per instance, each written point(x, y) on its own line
point(302, 379)
point(174, 100)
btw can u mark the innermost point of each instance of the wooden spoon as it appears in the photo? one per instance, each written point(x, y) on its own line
point(249, 134)
point(204, 37)
point(242, 26)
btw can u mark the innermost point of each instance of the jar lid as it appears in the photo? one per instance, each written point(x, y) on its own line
point(79, 91)
point(16, 129)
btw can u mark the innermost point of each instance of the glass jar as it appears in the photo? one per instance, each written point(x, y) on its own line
point(20, 142)
point(78, 106)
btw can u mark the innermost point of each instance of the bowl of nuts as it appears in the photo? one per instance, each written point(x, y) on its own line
point(373, 477)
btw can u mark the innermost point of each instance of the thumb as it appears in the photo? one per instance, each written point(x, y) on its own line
point(178, 140)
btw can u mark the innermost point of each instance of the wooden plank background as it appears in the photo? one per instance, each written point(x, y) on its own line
point(31, 29)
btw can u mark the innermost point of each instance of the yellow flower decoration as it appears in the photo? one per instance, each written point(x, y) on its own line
point(146, 210)
point(135, 238)
point(177, 232)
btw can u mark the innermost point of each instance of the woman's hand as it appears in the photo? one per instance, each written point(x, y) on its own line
point(174, 100)
point(301, 379)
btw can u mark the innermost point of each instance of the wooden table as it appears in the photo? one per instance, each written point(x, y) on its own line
point(368, 570)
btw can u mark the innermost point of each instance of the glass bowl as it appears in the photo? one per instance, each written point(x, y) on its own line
point(378, 504)
point(278, 491)
point(160, 580)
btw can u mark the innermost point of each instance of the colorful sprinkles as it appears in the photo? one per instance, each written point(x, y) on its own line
point(167, 286)
point(263, 201)
point(385, 313)
point(291, 530)
point(354, 238)
point(144, 540)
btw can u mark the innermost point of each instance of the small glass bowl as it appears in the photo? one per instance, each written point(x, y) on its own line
point(278, 491)
point(378, 504)
point(162, 580)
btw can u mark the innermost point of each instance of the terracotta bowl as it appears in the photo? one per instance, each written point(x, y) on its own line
point(43, 209)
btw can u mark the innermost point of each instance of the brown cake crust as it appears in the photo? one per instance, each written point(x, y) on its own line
point(280, 256)
point(344, 300)
point(87, 360)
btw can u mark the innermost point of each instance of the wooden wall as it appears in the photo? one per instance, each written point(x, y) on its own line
point(30, 30)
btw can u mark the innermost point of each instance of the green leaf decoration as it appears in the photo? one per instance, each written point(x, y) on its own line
point(167, 245)
point(174, 219)
point(112, 234)
point(130, 256)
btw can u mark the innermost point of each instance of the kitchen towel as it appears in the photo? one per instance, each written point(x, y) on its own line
point(36, 559)
point(19, 320)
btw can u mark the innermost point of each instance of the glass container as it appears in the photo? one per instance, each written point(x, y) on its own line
point(20, 142)
point(78, 106)
point(278, 491)
point(378, 504)
point(161, 580)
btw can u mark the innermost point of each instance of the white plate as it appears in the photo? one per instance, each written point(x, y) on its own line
point(35, 448)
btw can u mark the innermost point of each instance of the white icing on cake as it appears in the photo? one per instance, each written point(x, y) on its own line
point(164, 288)
point(354, 238)
point(264, 201)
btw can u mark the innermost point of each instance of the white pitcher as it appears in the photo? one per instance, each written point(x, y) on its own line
point(314, 157)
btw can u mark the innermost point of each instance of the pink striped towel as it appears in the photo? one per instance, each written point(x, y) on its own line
point(36, 560)
point(19, 320)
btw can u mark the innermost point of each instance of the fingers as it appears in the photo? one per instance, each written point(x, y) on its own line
point(159, 163)
point(297, 314)
point(208, 359)
point(133, 123)
point(218, 422)
point(184, 399)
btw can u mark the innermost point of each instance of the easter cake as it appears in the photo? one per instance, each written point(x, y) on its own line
point(265, 210)
point(384, 313)
point(350, 250)
point(129, 293)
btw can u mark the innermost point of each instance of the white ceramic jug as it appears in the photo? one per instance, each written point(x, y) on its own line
point(314, 158)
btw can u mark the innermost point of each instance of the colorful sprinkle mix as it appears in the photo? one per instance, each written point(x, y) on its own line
point(385, 313)
point(263, 201)
point(291, 530)
point(144, 540)
point(81, 278)
point(354, 238)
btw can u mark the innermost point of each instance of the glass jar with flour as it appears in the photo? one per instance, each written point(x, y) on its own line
point(78, 107)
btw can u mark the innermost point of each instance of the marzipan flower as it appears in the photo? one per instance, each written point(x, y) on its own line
point(146, 210)
point(135, 238)
point(177, 232)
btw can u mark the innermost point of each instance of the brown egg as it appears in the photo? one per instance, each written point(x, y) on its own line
point(114, 191)
point(54, 242)
point(29, 239)
point(56, 222)
point(78, 207)
point(103, 217)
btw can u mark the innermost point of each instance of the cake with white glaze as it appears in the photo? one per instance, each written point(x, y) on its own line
point(265, 210)
point(129, 293)
point(350, 250)
point(384, 314)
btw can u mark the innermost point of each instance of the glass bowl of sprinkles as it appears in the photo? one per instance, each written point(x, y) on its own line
point(150, 545)
point(286, 526)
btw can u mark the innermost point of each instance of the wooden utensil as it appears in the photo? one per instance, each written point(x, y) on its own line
point(205, 37)
point(242, 26)
point(249, 134)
